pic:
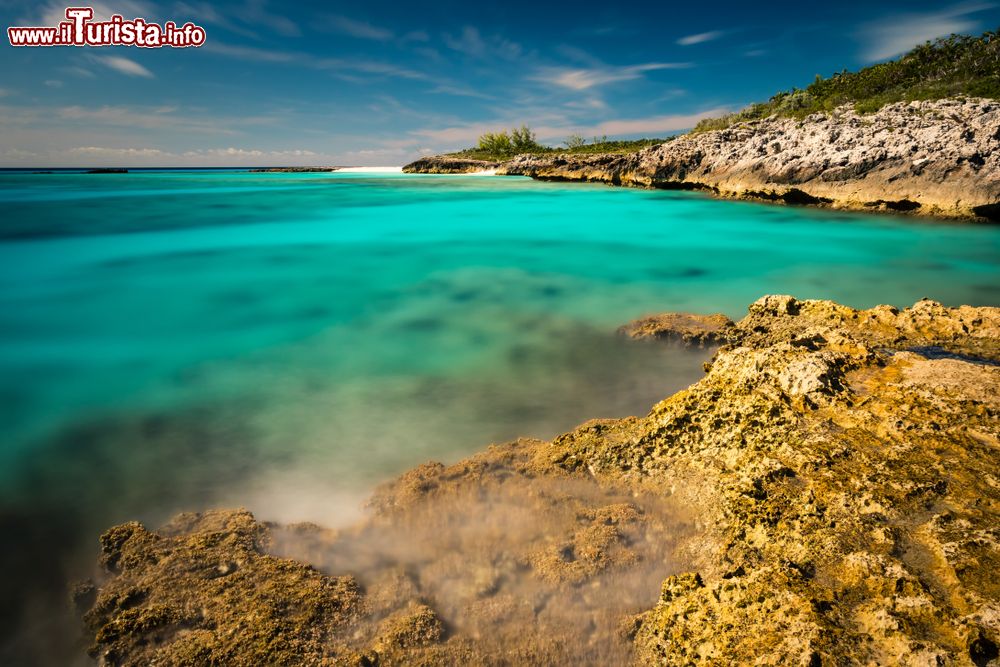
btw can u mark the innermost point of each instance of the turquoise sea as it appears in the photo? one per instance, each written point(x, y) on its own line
point(173, 340)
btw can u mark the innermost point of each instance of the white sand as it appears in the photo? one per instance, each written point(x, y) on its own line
point(373, 170)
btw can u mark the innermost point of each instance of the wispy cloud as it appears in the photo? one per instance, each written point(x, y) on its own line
point(700, 37)
point(358, 29)
point(239, 18)
point(245, 153)
point(651, 125)
point(203, 12)
point(248, 52)
point(343, 66)
point(586, 78)
point(898, 34)
point(123, 66)
point(473, 44)
point(257, 12)
point(101, 151)
point(462, 135)
point(460, 91)
point(76, 70)
point(130, 155)
point(154, 118)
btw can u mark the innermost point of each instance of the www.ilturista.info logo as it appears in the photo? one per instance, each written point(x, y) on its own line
point(80, 30)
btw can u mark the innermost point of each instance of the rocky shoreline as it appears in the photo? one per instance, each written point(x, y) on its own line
point(293, 170)
point(934, 158)
point(827, 494)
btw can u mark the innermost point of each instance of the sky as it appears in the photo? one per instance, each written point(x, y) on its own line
point(382, 83)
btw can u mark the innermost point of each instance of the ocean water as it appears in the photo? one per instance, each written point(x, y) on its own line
point(175, 340)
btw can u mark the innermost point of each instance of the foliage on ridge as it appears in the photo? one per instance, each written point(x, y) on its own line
point(947, 67)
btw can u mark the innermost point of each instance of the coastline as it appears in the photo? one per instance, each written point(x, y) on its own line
point(831, 497)
point(936, 159)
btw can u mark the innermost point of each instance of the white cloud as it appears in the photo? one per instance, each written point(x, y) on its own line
point(247, 153)
point(368, 67)
point(359, 29)
point(589, 104)
point(123, 65)
point(700, 37)
point(100, 151)
point(460, 91)
point(345, 66)
point(473, 44)
point(18, 154)
point(586, 78)
point(248, 52)
point(464, 135)
point(146, 118)
point(898, 34)
point(235, 18)
point(202, 13)
point(79, 71)
point(651, 125)
point(53, 83)
point(255, 12)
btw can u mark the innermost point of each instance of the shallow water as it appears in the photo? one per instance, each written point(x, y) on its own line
point(172, 340)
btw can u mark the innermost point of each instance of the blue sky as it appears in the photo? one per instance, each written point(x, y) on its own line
point(380, 83)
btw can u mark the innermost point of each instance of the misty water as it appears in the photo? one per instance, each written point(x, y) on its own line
point(179, 340)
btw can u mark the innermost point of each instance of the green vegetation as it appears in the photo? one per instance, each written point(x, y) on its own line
point(505, 144)
point(947, 67)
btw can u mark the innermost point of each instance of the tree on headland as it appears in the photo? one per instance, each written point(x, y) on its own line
point(505, 144)
point(517, 140)
point(523, 139)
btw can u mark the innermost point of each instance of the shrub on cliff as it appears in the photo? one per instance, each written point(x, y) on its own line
point(504, 143)
point(946, 67)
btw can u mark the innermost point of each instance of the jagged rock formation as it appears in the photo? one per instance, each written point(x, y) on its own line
point(939, 158)
point(292, 170)
point(449, 165)
point(827, 494)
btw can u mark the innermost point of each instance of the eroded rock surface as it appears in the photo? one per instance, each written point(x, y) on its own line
point(827, 494)
point(449, 165)
point(938, 158)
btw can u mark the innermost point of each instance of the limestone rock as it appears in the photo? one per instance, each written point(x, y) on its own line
point(938, 158)
point(827, 494)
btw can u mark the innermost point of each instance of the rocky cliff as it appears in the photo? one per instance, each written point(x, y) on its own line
point(939, 158)
point(828, 494)
point(444, 164)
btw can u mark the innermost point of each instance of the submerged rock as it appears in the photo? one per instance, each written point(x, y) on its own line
point(827, 494)
point(688, 328)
